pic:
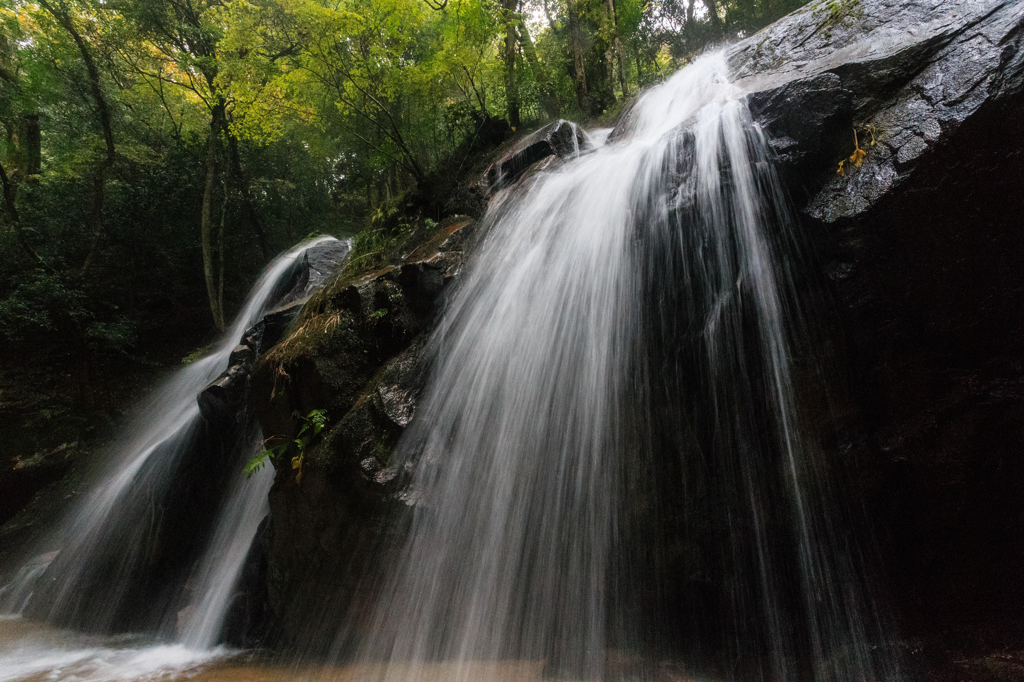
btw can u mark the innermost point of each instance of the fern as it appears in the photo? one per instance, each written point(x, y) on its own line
point(312, 424)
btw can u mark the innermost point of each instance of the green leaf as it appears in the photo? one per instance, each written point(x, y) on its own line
point(256, 463)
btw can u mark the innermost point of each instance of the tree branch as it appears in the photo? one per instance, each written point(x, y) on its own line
point(64, 19)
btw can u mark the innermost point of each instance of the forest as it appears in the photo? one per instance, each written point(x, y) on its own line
point(156, 153)
point(415, 340)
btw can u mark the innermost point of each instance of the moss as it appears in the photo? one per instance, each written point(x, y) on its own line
point(332, 317)
point(835, 12)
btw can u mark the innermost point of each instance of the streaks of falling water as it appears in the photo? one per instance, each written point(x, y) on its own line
point(244, 509)
point(666, 238)
point(104, 539)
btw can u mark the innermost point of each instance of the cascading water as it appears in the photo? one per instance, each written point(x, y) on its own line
point(94, 580)
point(612, 376)
point(629, 307)
point(244, 509)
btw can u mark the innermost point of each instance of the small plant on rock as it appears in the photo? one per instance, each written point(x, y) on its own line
point(312, 424)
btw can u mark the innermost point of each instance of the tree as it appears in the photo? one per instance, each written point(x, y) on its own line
point(510, 17)
point(156, 152)
point(184, 35)
point(62, 13)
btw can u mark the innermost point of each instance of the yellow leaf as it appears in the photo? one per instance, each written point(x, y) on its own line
point(297, 462)
point(841, 171)
point(858, 157)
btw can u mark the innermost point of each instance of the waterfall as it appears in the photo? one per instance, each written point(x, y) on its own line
point(244, 509)
point(626, 314)
point(96, 582)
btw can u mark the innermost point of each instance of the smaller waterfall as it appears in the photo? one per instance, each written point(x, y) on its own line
point(108, 574)
point(218, 574)
point(14, 595)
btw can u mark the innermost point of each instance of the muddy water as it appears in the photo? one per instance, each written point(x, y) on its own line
point(33, 652)
point(440, 672)
point(30, 652)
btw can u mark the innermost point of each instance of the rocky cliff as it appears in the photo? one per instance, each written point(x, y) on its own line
point(921, 242)
point(897, 129)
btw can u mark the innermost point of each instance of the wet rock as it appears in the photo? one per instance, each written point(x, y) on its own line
point(359, 355)
point(276, 322)
point(561, 139)
point(922, 250)
point(323, 261)
point(310, 271)
point(248, 619)
point(224, 401)
point(906, 75)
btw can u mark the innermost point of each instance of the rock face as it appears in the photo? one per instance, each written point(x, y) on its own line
point(922, 252)
point(561, 139)
point(357, 354)
point(919, 286)
point(225, 401)
point(225, 406)
point(906, 75)
point(148, 566)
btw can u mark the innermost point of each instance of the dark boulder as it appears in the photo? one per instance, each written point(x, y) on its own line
point(358, 353)
point(561, 139)
point(147, 564)
point(906, 75)
point(921, 252)
point(309, 271)
point(224, 401)
point(920, 257)
point(248, 619)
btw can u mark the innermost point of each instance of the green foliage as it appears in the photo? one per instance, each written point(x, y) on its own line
point(197, 354)
point(312, 115)
point(39, 305)
point(310, 427)
point(116, 336)
point(378, 242)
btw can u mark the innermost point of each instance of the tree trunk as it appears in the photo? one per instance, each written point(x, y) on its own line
point(206, 225)
point(549, 99)
point(510, 15)
point(618, 48)
point(716, 21)
point(100, 178)
point(99, 188)
point(10, 196)
point(578, 56)
point(10, 190)
point(33, 145)
point(249, 213)
point(220, 256)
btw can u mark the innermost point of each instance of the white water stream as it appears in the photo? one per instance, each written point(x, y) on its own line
point(524, 432)
point(542, 394)
point(163, 428)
